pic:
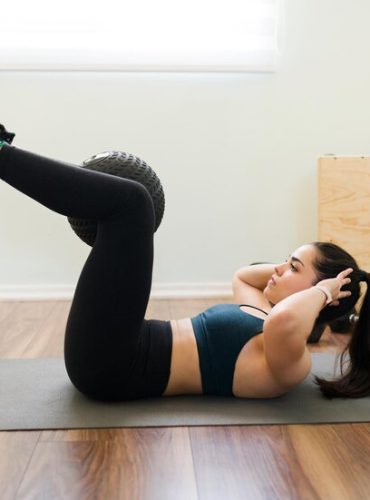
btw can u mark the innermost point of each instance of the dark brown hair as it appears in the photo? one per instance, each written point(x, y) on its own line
point(354, 382)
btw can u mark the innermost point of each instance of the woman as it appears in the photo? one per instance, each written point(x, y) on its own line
point(256, 350)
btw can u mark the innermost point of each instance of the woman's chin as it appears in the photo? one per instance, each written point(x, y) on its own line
point(269, 296)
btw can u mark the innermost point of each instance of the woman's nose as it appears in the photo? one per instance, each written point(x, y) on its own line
point(279, 269)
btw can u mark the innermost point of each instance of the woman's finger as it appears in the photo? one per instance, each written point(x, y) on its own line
point(345, 273)
point(334, 303)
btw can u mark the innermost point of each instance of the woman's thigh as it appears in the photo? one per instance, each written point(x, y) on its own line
point(110, 301)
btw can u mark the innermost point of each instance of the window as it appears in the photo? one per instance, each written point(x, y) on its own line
point(139, 35)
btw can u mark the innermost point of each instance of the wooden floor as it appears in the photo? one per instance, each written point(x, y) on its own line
point(237, 462)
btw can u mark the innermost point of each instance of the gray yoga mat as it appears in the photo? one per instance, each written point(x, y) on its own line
point(37, 394)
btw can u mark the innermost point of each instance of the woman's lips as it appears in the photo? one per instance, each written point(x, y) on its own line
point(271, 282)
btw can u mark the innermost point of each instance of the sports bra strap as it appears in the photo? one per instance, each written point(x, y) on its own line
point(253, 307)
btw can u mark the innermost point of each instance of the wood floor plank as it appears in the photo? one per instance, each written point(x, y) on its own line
point(22, 332)
point(145, 464)
point(335, 458)
point(50, 341)
point(158, 309)
point(72, 435)
point(329, 462)
point(251, 462)
point(7, 309)
point(186, 308)
point(16, 449)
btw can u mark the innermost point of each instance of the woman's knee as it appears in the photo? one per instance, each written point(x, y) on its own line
point(138, 203)
point(142, 196)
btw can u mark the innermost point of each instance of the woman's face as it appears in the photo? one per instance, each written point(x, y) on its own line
point(294, 275)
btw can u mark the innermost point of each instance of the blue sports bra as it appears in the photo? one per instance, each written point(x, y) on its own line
point(221, 333)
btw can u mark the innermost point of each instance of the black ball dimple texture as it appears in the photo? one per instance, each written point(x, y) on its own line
point(127, 166)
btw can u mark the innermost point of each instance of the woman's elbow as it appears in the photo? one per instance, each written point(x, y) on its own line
point(238, 288)
point(235, 286)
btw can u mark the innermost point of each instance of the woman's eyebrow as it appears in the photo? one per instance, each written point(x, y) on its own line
point(295, 259)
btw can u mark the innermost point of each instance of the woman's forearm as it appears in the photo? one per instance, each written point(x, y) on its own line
point(256, 275)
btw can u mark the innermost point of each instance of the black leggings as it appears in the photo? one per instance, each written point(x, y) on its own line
point(111, 352)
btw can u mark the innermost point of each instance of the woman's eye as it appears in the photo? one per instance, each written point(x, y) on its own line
point(294, 269)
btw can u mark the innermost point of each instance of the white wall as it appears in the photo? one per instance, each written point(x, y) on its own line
point(236, 153)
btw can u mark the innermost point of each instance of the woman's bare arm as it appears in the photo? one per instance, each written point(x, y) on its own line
point(249, 282)
point(290, 323)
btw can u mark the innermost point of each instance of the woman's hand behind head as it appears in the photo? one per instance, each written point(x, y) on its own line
point(334, 286)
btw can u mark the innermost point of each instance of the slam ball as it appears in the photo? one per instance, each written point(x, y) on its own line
point(129, 167)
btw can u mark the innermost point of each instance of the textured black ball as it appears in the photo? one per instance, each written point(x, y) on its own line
point(129, 167)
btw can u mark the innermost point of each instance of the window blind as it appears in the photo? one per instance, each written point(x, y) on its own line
point(140, 35)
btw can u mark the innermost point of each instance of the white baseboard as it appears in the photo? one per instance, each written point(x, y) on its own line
point(159, 291)
point(36, 292)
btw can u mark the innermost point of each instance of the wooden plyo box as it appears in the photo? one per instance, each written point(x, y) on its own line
point(344, 204)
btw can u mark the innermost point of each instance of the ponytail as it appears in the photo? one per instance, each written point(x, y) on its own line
point(355, 381)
